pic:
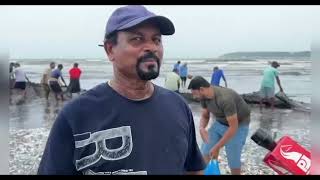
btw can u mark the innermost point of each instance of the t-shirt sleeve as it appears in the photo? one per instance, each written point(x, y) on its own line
point(229, 107)
point(58, 154)
point(194, 161)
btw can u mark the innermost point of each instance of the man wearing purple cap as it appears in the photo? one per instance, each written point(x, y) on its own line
point(127, 125)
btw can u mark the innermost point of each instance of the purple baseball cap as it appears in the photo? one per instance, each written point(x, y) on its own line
point(132, 15)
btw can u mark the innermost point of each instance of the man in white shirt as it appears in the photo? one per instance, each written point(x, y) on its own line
point(21, 78)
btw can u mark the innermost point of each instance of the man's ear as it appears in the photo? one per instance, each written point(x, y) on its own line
point(108, 47)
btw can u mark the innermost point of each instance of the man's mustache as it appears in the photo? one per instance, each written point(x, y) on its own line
point(146, 57)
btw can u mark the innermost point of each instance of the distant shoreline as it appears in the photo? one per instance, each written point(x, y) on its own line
point(165, 59)
point(245, 55)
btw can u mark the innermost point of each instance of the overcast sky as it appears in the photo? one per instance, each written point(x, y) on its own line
point(201, 31)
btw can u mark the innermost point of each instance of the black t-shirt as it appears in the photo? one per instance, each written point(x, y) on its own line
point(102, 132)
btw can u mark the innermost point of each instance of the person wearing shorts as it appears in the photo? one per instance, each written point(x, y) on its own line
point(21, 77)
point(233, 147)
point(54, 82)
point(45, 79)
point(267, 90)
point(230, 129)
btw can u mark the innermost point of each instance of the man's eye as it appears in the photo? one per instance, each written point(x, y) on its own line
point(137, 39)
point(157, 40)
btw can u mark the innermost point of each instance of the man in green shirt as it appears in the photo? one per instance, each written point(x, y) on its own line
point(267, 86)
point(230, 129)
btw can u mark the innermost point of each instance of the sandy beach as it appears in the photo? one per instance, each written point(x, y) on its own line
point(31, 120)
point(27, 142)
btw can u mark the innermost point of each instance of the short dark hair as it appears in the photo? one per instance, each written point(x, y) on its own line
point(179, 62)
point(75, 64)
point(112, 38)
point(198, 82)
point(275, 64)
point(60, 66)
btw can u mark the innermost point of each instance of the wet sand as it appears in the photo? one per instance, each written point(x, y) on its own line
point(31, 120)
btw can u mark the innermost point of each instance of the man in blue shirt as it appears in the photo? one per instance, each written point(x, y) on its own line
point(54, 82)
point(216, 76)
point(176, 67)
point(118, 126)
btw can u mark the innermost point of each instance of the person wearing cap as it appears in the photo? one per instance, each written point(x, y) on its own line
point(127, 125)
point(267, 89)
point(230, 129)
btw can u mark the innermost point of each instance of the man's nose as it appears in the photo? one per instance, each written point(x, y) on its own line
point(150, 46)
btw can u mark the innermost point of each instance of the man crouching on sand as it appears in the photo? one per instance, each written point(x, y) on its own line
point(231, 126)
